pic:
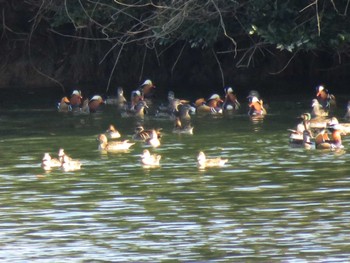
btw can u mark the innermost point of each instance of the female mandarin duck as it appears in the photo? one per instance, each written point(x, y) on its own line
point(148, 159)
point(76, 99)
point(179, 128)
point(140, 109)
point(95, 103)
point(256, 107)
point(301, 137)
point(317, 110)
point(230, 103)
point(112, 132)
point(64, 105)
point(153, 140)
point(61, 155)
point(121, 100)
point(203, 162)
point(135, 98)
point(142, 135)
point(69, 164)
point(48, 162)
point(114, 145)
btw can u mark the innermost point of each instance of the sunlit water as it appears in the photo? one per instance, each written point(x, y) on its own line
point(270, 203)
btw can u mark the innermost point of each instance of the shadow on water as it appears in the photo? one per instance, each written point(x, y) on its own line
point(269, 203)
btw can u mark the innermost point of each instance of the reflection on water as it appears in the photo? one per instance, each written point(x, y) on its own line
point(269, 203)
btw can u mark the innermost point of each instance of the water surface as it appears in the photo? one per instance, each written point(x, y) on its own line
point(270, 203)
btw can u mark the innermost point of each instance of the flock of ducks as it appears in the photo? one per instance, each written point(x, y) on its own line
point(311, 132)
point(63, 162)
point(318, 129)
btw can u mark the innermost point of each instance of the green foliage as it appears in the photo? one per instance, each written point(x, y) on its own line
point(286, 25)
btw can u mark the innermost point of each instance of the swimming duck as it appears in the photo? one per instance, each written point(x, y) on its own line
point(76, 100)
point(256, 107)
point(114, 145)
point(230, 103)
point(325, 99)
point(203, 162)
point(84, 107)
point(301, 137)
point(212, 106)
point(153, 140)
point(322, 139)
point(95, 103)
point(147, 89)
point(48, 162)
point(179, 128)
point(69, 164)
point(142, 135)
point(112, 132)
point(172, 108)
point(317, 110)
point(64, 105)
point(120, 101)
point(135, 98)
point(149, 159)
point(140, 109)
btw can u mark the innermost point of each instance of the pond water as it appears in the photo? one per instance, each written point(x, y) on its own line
point(269, 203)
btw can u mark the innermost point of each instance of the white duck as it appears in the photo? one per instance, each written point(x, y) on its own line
point(48, 162)
point(70, 165)
point(153, 140)
point(149, 159)
point(112, 132)
point(203, 162)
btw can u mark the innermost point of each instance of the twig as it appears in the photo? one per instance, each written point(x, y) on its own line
point(178, 58)
point(278, 72)
point(219, 64)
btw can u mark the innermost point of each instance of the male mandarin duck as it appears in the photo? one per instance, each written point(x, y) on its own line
point(148, 159)
point(324, 142)
point(147, 89)
point(64, 105)
point(230, 103)
point(215, 103)
point(114, 145)
point(325, 99)
point(48, 162)
point(256, 107)
point(69, 164)
point(95, 103)
point(203, 162)
point(142, 135)
point(76, 99)
point(112, 132)
point(153, 140)
point(212, 106)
